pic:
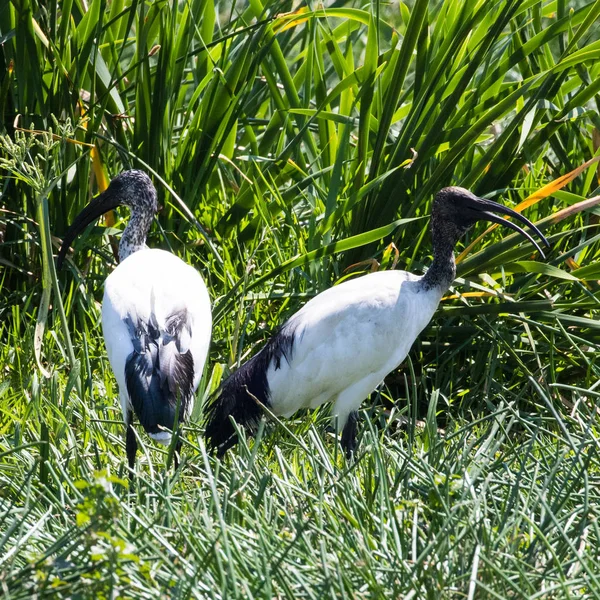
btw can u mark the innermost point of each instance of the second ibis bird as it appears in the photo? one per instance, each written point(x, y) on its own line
point(156, 316)
point(339, 347)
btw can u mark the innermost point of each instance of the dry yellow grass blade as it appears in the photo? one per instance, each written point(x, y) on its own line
point(99, 172)
point(286, 21)
point(97, 166)
point(572, 264)
point(372, 263)
point(569, 211)
point(470, 295)
point(532, 199)
point(102, 181)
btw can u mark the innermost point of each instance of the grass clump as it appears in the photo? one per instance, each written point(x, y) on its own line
point(505, 505)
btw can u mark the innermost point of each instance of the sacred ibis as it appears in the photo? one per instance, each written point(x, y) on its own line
point(339, 347)
point(156, 316)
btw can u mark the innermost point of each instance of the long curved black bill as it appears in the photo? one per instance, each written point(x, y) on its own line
point(495, 219)
point(101, 204)
point(494, 207)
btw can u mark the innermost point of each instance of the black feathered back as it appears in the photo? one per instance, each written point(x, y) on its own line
point(235, 396)
point(158, 373)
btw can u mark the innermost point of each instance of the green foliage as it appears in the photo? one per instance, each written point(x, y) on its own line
point(506, 504)
point(289, 140)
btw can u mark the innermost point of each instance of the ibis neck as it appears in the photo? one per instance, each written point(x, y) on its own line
point(442, 272)
point(134, 236)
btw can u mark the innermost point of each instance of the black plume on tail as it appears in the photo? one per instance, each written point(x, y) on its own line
point(236, 396)
point(158, 373)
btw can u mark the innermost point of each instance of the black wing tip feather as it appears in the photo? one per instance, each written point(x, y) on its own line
point(154, 404)
point(154, 395)
point(237, 397)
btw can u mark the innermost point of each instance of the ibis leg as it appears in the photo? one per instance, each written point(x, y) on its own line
point(349, 434)
point(130, 445)
point(229, 443)
point(176, 455)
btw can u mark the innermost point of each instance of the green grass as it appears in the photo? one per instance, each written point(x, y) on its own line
point(506, 504)
point(288, 142)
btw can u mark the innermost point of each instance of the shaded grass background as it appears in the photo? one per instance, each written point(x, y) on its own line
point(284, 138)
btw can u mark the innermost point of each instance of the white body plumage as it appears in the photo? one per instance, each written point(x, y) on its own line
point(338, 348)
point(347, 339)
point(155, 282)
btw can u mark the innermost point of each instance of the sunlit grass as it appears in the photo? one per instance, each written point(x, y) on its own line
point(506, 501)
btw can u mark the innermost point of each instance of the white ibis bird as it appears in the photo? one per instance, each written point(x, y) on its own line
point(340, 346)
point(156, 316)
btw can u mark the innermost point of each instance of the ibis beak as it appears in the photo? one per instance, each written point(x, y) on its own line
point(487, 208)
point(99, 205)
